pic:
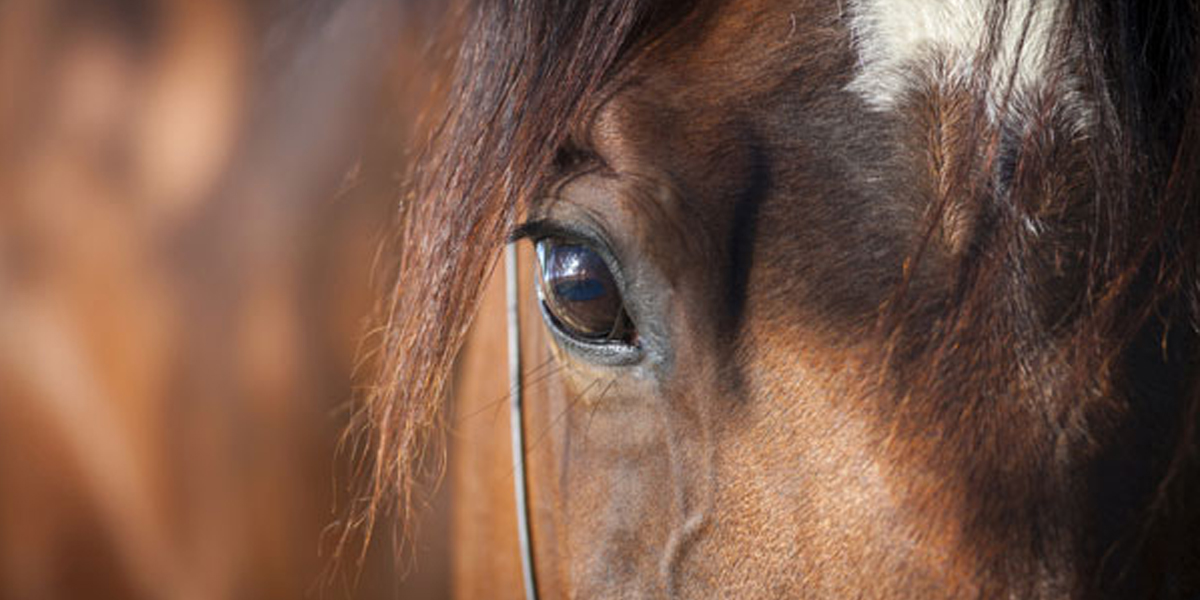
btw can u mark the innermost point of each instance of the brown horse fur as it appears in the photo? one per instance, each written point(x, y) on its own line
point(947, 349)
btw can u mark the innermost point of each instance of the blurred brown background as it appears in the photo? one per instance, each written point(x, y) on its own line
point(192, 198)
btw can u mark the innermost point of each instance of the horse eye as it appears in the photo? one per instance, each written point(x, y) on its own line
point(580, 293)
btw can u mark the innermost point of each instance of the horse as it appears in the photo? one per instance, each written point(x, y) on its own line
point(875, 299)
point(817, 299)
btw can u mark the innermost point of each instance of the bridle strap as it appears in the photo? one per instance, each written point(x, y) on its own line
point(518, 428)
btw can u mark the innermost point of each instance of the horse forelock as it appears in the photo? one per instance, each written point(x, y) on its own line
point(523, 72)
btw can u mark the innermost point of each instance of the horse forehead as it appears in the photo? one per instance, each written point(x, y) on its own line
point(882, 49)
point(698, 79)
point(897, 39)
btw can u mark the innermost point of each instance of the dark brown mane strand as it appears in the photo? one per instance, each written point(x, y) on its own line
point(524, 71)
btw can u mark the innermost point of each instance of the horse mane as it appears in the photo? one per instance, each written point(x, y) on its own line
point(523, 76)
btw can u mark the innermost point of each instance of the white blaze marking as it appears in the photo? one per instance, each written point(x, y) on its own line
point(898, 39)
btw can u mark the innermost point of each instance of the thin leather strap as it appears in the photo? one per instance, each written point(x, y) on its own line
point(518, 428)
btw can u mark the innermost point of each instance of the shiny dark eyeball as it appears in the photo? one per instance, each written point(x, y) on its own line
point(580, 292)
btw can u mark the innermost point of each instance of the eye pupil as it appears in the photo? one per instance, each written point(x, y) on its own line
point(580, 292)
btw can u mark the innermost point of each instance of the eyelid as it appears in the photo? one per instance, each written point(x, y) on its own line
point(529, 230)
point(539, 229)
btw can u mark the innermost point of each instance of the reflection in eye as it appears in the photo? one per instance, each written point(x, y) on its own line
point(580, 292)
